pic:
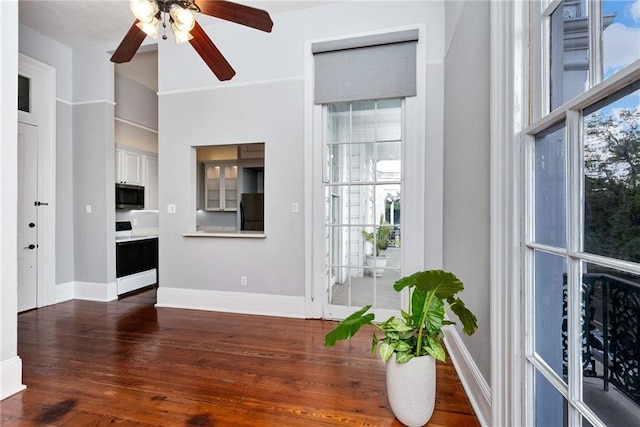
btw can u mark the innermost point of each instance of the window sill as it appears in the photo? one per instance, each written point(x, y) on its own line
point(227, 234)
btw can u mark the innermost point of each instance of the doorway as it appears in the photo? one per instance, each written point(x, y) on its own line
point(36, 184)
point(363, 154)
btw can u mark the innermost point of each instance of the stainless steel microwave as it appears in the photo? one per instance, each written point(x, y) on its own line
point(129, 196)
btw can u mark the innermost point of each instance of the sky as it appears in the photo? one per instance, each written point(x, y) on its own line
point(621, 40)
point(621, 44)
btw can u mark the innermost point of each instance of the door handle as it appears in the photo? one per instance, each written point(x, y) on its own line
point(38, 203)
point(31, 225)
point(31, 246)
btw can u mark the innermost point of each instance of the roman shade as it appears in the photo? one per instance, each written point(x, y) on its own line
point(370, 67)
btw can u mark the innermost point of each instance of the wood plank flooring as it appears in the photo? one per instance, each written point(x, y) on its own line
point(128, 363)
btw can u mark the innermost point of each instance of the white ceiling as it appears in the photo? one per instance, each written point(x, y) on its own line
point(80, 23)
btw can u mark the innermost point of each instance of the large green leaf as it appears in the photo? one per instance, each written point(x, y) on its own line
point(418, 299)
point(404, 282)
point(435, 316)
point(442, 283)
point(349, 326)
point(468, 319)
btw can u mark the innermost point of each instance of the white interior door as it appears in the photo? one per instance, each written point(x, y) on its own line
point(27, 217)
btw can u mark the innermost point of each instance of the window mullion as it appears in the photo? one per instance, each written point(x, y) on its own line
point(528, 261)
point(574, 267)
point(595, 42)
point(544, 100)
point(529, 191)
point(574, 181)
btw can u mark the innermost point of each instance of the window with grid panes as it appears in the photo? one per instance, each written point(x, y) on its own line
point(582, 215)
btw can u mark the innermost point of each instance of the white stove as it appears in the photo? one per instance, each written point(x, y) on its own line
point(136, 259)
point(123, 230)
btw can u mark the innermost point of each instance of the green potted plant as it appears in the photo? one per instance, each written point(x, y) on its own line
point(379, 239)
point(410, 345)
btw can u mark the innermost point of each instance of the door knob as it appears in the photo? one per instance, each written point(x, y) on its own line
point(31, 246)
point(31, 225)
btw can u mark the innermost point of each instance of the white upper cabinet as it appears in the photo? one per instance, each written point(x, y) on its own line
point(221, 187)
point(129, 167)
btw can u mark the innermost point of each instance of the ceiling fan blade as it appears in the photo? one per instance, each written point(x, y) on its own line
point(129, 45)
point(210, 54)
point(234, 12)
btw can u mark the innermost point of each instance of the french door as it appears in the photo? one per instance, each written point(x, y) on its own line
point(362, 184)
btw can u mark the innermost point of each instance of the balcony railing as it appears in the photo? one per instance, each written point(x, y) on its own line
point(611, 324)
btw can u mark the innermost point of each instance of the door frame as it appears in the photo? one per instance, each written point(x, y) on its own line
point(422, 122)
point(43, 78)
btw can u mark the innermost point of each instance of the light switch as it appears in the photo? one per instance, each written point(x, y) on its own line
point(87, 208)
point(294, 207)
point(171, 209)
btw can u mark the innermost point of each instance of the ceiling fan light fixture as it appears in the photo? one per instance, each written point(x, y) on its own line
point(144, 10)
point(182, 18)
point(180, 36)
point(150, 28)
point(149, 13)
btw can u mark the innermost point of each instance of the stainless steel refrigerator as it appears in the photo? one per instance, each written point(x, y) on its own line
point(252, 211)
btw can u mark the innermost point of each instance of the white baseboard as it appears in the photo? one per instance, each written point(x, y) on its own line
point(64, 292)
point(92, 291)
point(232, 302)
point(136, 281)
point(11, 377)
point(472, 380)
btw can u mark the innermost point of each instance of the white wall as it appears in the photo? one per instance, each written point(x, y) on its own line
point(135, 102)
point(466, 165)
point(257, 56)
point(137, 106)
point(263, 103)
point(94, 167)
point(227, 116)
point(10, 363)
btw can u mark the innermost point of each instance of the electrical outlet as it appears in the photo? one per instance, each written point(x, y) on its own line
point(171, 209)
point(87, 208)
point(243, 280)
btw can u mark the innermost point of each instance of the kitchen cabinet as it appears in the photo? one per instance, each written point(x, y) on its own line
point(221, 186)
point(138, 168)
point(150, 182)
point(129, 167)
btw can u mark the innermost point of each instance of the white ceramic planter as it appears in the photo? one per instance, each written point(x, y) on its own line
point(375, 265)
point(411, 388)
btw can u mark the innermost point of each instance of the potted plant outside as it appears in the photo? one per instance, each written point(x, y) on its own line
point(410, 345)
point(379, 240)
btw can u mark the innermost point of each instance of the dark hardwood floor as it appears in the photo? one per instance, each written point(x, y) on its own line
point(131, 364)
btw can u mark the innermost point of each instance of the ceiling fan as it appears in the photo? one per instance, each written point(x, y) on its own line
point(150, 13)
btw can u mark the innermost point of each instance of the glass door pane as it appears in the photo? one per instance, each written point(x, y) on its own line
point(212, 188)
point(363, 203)
point(230, 188)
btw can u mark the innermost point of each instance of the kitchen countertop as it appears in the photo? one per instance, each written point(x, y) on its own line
point(233, 234)
point(134, 238)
